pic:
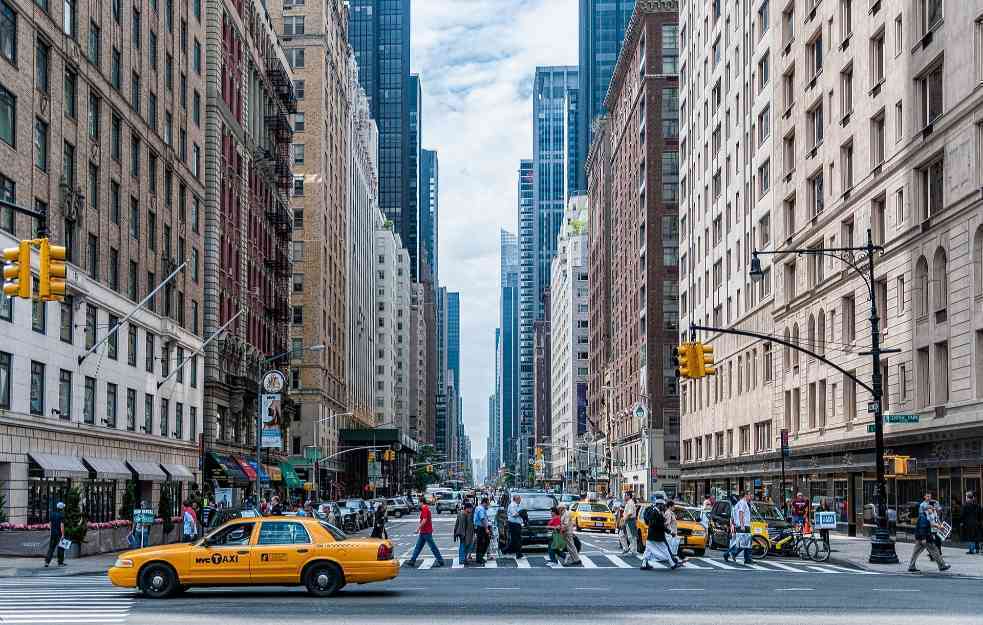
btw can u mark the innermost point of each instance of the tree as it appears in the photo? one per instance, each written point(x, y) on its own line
point(76, 525)
point(129, 501)
point(165, 509)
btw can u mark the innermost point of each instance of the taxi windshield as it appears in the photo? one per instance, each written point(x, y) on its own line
point(595, 507)
point(767, 511)
point(686, 514)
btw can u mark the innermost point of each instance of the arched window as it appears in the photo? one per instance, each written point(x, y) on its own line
point(795, 341)
point(920, 293)
point(787, 352)
point(940, 279)
point(978, 261)
point(821, 333)
point(811, 334)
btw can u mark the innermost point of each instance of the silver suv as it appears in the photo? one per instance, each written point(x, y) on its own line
point(448, 502)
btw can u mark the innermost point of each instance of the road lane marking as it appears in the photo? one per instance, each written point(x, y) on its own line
point(491, 564)
point(685, 589)
point(502, 588)
point(794, 589)
point(621, 564)
point(587, 562)
point(457, 564)
point(844, 569)
point(601, 588)
point(522, 563)
point(427, 563)
point(896, 589)
point(719, 565)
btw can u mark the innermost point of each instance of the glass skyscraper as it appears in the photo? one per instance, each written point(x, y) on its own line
point(506, 353)
point(602, 33)
point(429, 213)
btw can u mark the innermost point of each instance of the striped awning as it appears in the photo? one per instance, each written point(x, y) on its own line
point(108, 468)
point(228, 466)
point(179, 473)
point(274, 472)
point(147, 471)
point(53, 465)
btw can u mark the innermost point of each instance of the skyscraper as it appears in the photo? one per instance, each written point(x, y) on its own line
point(454, 337)
point(411, 214)
point(506, 352)
point(428, 202)
point(602, 33)
point(379, 33)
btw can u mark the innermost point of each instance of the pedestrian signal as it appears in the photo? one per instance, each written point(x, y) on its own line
point(17, 271)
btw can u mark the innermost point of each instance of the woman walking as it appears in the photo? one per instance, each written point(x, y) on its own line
point(557, 542)
point(568, 528)
point(379, 522)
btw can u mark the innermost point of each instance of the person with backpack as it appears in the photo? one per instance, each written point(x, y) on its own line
point(557, 543)
point(924, 540)
point(656, 546)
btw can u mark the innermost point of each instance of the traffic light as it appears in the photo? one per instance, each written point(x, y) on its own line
point(52, 275)
point(389, 455)
point(704, 360)
point(429, 468)
point(687, 361)
point(17, 271)
point(371, 456)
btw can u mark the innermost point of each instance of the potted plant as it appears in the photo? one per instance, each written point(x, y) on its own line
point(76, 525)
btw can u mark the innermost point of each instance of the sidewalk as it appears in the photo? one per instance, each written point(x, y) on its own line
point(856, 551)
point(34, 567)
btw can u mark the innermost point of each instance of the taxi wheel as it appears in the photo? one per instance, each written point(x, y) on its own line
point(158, 581)
point(323, 580)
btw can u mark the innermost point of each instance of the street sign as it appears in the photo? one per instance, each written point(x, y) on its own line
point(785, 452)
point(871, 428)
point(312, 453)
point(143, 516)
point(900, 418)
point(640, 411)
point(824, 520)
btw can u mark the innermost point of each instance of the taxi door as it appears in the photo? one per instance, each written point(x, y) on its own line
point(223, 558)
point(280, 552)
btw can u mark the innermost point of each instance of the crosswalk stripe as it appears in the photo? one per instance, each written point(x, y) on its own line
point(783, 567)
point(522, 563)
point(832, 568)
point(427, 563)
point(587, 562)
point(715, 563)
point(821, 569)
point(692, 564)
point(491, 564)
point(621, 564)
point(457, 564)
point(754, 567)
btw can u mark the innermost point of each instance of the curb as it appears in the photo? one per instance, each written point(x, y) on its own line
point(902, 571)
point(32, 573)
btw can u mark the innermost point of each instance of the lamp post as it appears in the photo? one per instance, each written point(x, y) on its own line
point(881, 545)
point(259, 401)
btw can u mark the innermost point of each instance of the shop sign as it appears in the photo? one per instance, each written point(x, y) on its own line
point(824, 520)
point(143, 516)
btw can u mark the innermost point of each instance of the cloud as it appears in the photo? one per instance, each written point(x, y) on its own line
point(477, 60)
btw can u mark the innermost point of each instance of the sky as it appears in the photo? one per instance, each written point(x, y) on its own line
point(476, 60)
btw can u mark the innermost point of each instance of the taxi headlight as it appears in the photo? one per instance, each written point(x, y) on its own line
point(123, 563)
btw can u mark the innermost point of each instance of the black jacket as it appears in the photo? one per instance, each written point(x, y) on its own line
point(656, 524)
point(970, 517)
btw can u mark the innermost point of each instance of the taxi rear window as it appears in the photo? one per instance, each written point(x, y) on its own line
point(336, 533)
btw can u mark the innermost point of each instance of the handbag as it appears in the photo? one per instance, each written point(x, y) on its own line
point(65, 543)
point(557, 543)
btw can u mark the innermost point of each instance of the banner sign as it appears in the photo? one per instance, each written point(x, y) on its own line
point(272, 414)
point(824, 520)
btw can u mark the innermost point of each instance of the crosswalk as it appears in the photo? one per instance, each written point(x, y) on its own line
point(63, 601)
point(610, 561)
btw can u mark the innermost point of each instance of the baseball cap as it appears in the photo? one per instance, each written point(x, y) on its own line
point(60, 505)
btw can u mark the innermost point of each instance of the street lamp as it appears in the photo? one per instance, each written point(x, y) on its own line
point(259, 401)
point(881, 545)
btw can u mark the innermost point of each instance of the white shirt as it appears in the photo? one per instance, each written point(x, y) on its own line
point(514, 513)
point(630, 509)
point(741, 516)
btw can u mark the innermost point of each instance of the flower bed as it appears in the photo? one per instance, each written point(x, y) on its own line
point(23, 539)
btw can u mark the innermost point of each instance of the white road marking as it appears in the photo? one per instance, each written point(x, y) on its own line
point(842, 569)
point(491, 564)
point(427, 563)
point(602, 588)
point(587, 562)
point(793, 589)
point(685, 589)
point(523, 563)
point(621, 564)
point(457, 564)
point(502, 588)
point(896, 589)
point(784, 567)
point(716, 564)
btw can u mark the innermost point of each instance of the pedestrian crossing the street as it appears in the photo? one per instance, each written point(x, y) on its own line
point(610, 561)
point(63, 601)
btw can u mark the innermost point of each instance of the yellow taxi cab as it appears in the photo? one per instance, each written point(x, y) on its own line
point(263, 551)
point(592, 515)
point(691, 533)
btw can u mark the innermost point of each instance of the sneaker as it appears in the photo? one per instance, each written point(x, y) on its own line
point(913, 570)
point(645, 567)
point(437, 565)
point(410, 563)
point(726, 557)
point(946, 567)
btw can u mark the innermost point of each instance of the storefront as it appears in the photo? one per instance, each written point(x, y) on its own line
point(227, 477)
point(292, 484)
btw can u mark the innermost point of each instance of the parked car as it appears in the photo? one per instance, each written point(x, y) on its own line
point(448, 502)
point(762, 513)
point(360, 508)
point(397, 507)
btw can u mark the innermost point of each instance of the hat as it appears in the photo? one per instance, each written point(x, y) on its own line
point(60, 505)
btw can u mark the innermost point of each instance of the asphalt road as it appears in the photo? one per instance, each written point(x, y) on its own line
point(509, 594)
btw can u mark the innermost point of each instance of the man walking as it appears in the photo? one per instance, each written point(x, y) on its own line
point(515, 527)
point(464, 532)
point(971, 523)
point(57, 534)
point(630, 516)
point(800, 507)
point(482, 530)
point(924, 541)
point(425, 536)
point(740, 524)
point(656, 543)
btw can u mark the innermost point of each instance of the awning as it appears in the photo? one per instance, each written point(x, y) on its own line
point(59, 466)
point(274, 472)
point(231, 468)
point(147, 471)
point(246, 468)
point(179, 473)
point(108, 468)
point(263, 475)
point(290, 476)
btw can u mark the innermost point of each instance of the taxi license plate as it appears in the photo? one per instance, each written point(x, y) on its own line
point(599, 525)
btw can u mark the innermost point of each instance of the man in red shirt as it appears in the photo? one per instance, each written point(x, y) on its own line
point(425, 536)
point(800, 508)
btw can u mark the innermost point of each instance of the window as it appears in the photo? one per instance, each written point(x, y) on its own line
point(846, 166)
point(148, 413)
point(116, 138)
point(764, 124)
point(931, 14)
point(940, 284)
point(295, 57)
point(65, 395)
point(930, 94)
point(131, 345)
point(942, 373)
point(67, 332)
point(293, 25)
point(113, 341)
point(42, 65)
point(298, 151)
point(5, 371)
point(37, 388)
point(131, 409)
point(70, 19)
point(196, 108)
point(39, 312)
point(89, 401)
point(846, 91)
point(90, 326)
point(149, 353)
point(8, 32)
point(877, 59)
point(764, 178)
point(95, 44)
point(136, 29)
point(788, 89)
point(196, 57)
point(283, 533)
point(299, 89)
point(93, 255)
point(880, 292)
point(670, 48)
point(196, 161)
point(848, 318)
point(816, 190)
point(8, 117)
point(816, 125)
point(110, 405)
point(903, 382)
point(877, 140)
point(70, 89)
point(930, 179)
point(41, 144)
point(298, 122)
point(165, 417)
point(764, 73)
point(814, 50)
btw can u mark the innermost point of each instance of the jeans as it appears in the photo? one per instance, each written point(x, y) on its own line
point(463, 549)
point(515, 539)
point(736, 549)
point(52, 546)
point(426, 539)
point(926, 544)
point(631, 529)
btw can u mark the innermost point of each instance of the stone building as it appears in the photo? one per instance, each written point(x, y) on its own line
point(102, 128)
point(803, 139)
point(641, 412)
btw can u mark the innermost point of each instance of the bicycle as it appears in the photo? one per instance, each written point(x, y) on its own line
point(806, 547)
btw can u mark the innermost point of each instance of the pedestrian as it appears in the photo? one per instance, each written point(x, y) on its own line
point(482, 530)
point(464, 533)
point(656, 547)
point(825, 507)
point(800, 507)
point(705, 513)
point(515, 527)
point(970, 518)
point(740, 525)
point(276, 508)
point(630, 516)
point(569, 529)
point(189, 523)
point(264, 506)
point(924, 541)
point(557, 542)
point(892, 521)
point(57, 533)
point(671, 530)
point(379, 520)
point(502, 525)
point(425, 535)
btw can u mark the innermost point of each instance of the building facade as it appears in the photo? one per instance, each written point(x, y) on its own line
point(569, 340)
point(542, 388)
point(602, 33)
point(429, 211)
point(895, 154)
point(642, 407)
point(102, 113)
point(599, 275)
point(507, 347)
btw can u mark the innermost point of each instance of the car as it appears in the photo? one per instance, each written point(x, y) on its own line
point(448, 502)
point(765, 517)
point(361, 509)
point(397, 507)
point(593, 516)
point(262, 551)
point(691, 533)
point(336, 515)
point(537, 508)
point(568, 498)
